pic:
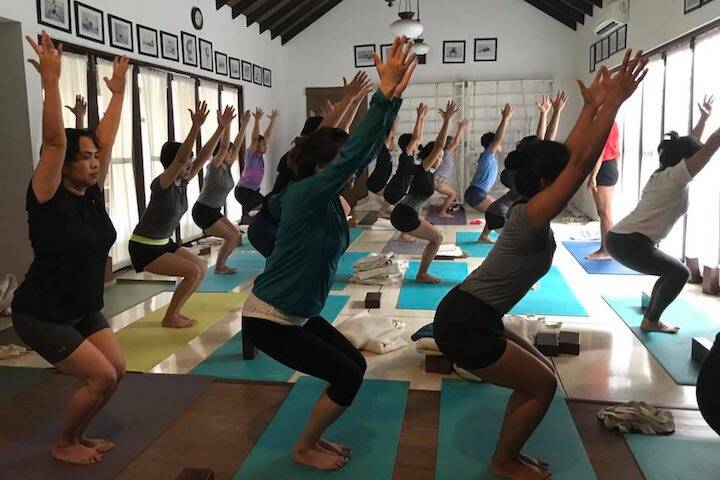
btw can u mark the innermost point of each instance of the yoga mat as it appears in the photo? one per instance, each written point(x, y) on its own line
point(345, 269)
point(554, 297)
point(227, 363)
point(10, 336)
point(672, 351)
point(458, 218)
point(467, 241)
point(249, 264)
point(675, 457)
point(427, 296)
point(124, 295)
point(371, 427)
point(369, 219)
point(471, 415)
point(404, 248)
point(580, 250)
point(143, 407)
point(14, 380)
point(355, 234)
point(146, 342)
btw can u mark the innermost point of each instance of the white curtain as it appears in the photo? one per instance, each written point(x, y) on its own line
point(73, 81)
point(122, 202)
point(153, 115)
point(230, 97)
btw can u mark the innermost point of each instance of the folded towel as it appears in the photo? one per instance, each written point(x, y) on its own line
point(427, 346)
point(392, 269)
point(363, 327)
point(638, 417)
point(379, 280)
point(450, 250)
point(382, 224)
point(388, 342)
point(374, 260)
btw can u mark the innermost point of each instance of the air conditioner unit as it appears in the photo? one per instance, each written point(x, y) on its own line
point(614, 15)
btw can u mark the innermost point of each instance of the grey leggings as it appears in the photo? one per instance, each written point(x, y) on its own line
point(638, 252)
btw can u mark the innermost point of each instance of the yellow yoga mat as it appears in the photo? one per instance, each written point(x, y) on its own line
point(145, 342)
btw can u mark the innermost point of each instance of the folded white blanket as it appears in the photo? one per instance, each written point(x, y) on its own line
point(363, 327)
point(379, 280)
point(450, 250)
point(374, 260)
point(392, 269)
point(388, 342)
point(382, 224)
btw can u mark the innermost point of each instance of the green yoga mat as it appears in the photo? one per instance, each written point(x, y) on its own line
point(467, 241)
point(345, 269)
point(249, 264)
point(426, 296)
point(554, 297)
point(226, 362)
point(672, 351)
point(145, 342)
point(675, 457)
point(14, 380)
point(371, 427)
point(471, 415)
point(125, 295)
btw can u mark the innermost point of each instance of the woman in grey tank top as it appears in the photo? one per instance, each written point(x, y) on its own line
point(446, 168)
point(468, 324)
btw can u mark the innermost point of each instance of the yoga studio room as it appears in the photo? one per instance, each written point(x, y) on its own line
point(360, 240)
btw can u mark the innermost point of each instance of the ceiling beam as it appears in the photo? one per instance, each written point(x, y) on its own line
point(259, 10)
point(292, 14)
point(583, 7)
point(293, 32)
point(558, 15)
point(275, 14)
point(240, 7)
point(565, 10)
point(219, 4)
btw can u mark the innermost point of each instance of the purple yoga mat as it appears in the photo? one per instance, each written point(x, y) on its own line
point(458, 218)
point(144, 406)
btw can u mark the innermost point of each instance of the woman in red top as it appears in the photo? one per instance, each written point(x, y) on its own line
point(602, 185)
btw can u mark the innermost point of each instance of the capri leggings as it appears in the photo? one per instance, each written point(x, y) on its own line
point(708, 387)
point(315, 349)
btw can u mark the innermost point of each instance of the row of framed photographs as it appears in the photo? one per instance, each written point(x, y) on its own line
point(453, 52)
point(608, 46)
point(692, 5)
point(90, 25)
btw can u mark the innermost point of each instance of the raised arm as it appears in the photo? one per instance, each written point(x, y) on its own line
point(543, 107)
point(182, 157)
point(455, 142)
point(418, 130)
point(602, 101)
point(269, 130)
point(108, 127)
point(502, 128)
point(705, 111)
point(240, 137)
point(79, 110)
point(357, 92)
point(390, 140)
point(698, 161)
point(207, 150)
point(558, 106)
point(435, 156)
point(48, 172)
point(224, 150)
point(255, 135)
point(333, 114)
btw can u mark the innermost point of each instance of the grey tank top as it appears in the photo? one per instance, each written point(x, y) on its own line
point(217, 184)
point(522, 256)
point(164, 210)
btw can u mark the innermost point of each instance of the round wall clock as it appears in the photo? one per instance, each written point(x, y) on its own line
point(197, 18)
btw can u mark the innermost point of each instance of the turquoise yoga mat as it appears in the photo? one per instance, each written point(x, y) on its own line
point(345, 269)
point(467, 241)
point(426, 296)
point(675, 457)
point(554, 297)
point(371, 427)
point(672, 351)
point(580, 250)
point(355, 234)
point(227, 363)
point(249, 264)
point(471, 415)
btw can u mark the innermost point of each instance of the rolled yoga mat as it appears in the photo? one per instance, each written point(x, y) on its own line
point(124, 295)
point(227, 362)
point(468, 242)
point(675, 457)
point(145, 342)
point(471, 415)
point(580, 250)
point(371, 427)
point(14, 380)
point(345, 269)
point(249, 264)
point(144, 406)
point(458, 218)
point(672, 351)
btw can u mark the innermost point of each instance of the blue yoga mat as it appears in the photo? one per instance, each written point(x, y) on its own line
point(427, 296)
point(345, 269)
point(554, 297)
point(672, 351)
point(471, 415)
point(249, 264)
point(355, 234)
point(226, 362)
point(580, 250)
point(675, 457)
point(371, 427)
point(467, 241)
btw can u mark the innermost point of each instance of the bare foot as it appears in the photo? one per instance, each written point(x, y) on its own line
point(384, 214)
point(102, 445)
point(517, 470)
point(224, 270)
point(404, 237)
point(427, 278)
point(336, 448)
point(599, 255)
point(318, 458)
point(535, 462)
point(177, 321)
point(648, 326)
point(76, 453)
point(485, 239)
point(185, 317)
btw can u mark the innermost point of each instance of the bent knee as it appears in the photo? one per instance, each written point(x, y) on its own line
point(104, 381)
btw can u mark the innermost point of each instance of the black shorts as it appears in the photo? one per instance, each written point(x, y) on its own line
point(468, 331)
point(248, 198)
point(494, 222)
point(204, 216)
point(404, 218)
point(55, 341)
point(608, 174)
point(474, 196)
point(142, 255)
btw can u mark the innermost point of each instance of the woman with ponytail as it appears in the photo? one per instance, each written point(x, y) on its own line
point(399, 184)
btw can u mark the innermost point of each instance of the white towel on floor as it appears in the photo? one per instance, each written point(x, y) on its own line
point(393, 279)
point(392, 269)
point(427, 346)
point(364, 328)
point(374, 260)
point(638, 416)
point(450, 250)
point(382, 224)
point(388, 342)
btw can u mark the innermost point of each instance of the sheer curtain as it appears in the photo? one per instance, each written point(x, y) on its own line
point(629, 122)
point(184, 99)
point(122, 202)
point(73, 81)
point(231, 97)
point(153, 117)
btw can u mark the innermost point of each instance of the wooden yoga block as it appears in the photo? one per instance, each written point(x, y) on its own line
point(438, 364)
point(372, 300)
point(694, 266)
point(548, 343)
point(569, 343)
point(205, 250)
point(700, 349)
point(196, 474)
point(249, 350)
point(644, 300)
point(711, 280)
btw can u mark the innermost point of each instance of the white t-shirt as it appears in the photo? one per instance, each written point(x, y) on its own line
point(664, 200)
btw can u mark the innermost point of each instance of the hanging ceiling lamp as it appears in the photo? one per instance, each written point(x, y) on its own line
point(407, 25)
point(420, 47)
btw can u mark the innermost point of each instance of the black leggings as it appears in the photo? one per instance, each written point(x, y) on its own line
point(248, 198)
point(315, 349)
point(708, 387)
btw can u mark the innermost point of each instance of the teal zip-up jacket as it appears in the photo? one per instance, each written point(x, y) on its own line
point(313, 231)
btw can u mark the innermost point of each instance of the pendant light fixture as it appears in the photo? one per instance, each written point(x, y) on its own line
point(420, 47)
point(407, 25)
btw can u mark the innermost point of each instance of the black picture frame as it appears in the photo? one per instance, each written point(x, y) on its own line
point(204, 59)
point(622, 38)
point(267, 77)
point(65, 24)
point(79, 30)
point(247, 71)
point(362, 60)
point(167, 53)
point(113, 23)
point(450, 43)
point(234, 65)
point(189, 49)
point(605, 44)
point(221, 60)
point(257, 75)
point(613, 42)
point(385, 50)
point(692, 5)
point(148, 53)
point(493, 45)
point(592, 58)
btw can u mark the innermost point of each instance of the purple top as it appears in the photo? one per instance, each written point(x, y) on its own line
point(253, 172)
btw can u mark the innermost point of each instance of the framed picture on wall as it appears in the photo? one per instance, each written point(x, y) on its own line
point(622, 38)
point(121, 33)
point(55, 14)
point(691, 5)
point(147, 41)
point(605, 48)
point(89, 23)
point(247, 71)
point(257, 75)
point(364, 56)
point(454, 51)
point(206, 55)
point(592, 58)
point(613, 42)
point(235, 72)
point(189, 49)
point(267, 77)
point(385, 51)
point(486, 49)
point(221, 63)
point(169, 46)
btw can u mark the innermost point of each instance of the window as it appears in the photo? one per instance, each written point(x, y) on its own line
point(230, 96)
point(73, 81)
point(154, 119)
